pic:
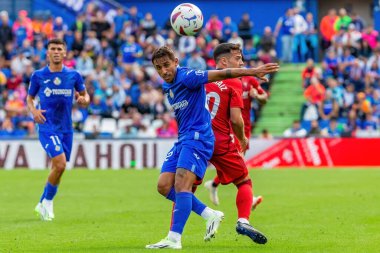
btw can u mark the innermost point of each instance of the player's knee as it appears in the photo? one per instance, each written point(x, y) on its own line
point(247, 182)
point(60, 166)
point(163, 188)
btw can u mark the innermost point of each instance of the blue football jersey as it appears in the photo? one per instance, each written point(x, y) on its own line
point(187, 96)
point(56, 93)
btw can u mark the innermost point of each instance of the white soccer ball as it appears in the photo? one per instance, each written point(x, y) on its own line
point(186, 19)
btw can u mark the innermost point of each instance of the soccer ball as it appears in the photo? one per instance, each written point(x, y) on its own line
point(186, 19)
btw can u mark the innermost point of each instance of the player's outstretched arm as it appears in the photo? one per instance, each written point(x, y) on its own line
point(37, 114)
point(82, 97)
point(259, 72)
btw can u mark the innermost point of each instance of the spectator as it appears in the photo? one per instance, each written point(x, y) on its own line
point(148, 24)
point(100, 25)
point(119, 20)
point(295, 131)
point(245, 27)
point(80, 25)
point(286, 25)
point(6, 34)
point(85, 64)
point(314, 131)
point(228, 28)
point(308, 72)
point(22, 28)
point(328, 108)
point(357, 21)
point(352, 39)
point(265, 135)
point(267, 45)
point(196, 61)
point(311, 37)
point(235, 39)
point(327, 28)
point(315, 92)
point(343, 21)
point(187, 44)
point(213, 25)
point(299, 40)
point(333, 129)
point(371, 36)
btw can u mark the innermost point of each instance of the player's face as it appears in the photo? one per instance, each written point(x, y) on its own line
point(56, 53)
point(166, 68)
point(235, 60)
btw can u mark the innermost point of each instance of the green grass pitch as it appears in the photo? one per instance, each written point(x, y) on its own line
point(326, 210)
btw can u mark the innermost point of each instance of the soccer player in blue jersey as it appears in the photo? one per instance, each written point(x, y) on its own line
point(186, 162)
point(55, 86)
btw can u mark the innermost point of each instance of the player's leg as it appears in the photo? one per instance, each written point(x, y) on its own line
point(193, 189)
point(193, 166)
point(58, 147)
point(211, 186)
point(244, 203)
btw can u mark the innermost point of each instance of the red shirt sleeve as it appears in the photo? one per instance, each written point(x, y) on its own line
point(256, 85)
point(236, 100)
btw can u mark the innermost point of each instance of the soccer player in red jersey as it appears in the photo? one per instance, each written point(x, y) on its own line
point(225, 105)
point(251, 89)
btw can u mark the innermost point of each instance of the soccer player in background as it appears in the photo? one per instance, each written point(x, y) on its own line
point(251, 90)
point(226, 105)
point(55, 86)
point(187, 160)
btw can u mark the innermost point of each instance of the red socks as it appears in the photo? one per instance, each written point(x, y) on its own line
point(244, 199)
point(216, 181)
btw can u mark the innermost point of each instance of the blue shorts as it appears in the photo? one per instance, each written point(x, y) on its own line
point(190, 155)
point(56, 144)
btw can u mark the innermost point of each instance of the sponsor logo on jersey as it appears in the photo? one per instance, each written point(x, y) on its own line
point(180, 105)
point(57, 81)
point(47, 92)
point(57, 92)
point(200, 73)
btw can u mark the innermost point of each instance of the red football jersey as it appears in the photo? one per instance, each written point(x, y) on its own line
point(248, 82)
point(221, 97)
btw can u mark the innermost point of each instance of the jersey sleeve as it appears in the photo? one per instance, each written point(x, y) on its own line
point(256, 85)
point(34, 86)
point(194, 79)
point(79, 83)
point(236, 100)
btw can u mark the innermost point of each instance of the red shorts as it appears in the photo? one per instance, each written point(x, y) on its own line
point(230, 166)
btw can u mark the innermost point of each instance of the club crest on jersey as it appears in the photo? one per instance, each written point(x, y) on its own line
point(171, 94)
point(57, 81)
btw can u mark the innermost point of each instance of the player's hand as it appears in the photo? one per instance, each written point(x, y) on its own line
point(244, 144)
point(263, 70)
point(81, 100)
point(253, 93)
point(38, 116)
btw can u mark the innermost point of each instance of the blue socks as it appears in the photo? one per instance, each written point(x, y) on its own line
point(49, 192)
point(197, 206)
point(181, 211)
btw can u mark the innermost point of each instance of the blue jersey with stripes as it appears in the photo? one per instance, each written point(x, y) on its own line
point(187, 96)
point(56, 94)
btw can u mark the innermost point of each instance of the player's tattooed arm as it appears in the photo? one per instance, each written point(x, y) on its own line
point(260, 72)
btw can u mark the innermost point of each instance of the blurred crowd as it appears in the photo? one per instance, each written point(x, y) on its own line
point(343, 92)
point(113, 54)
